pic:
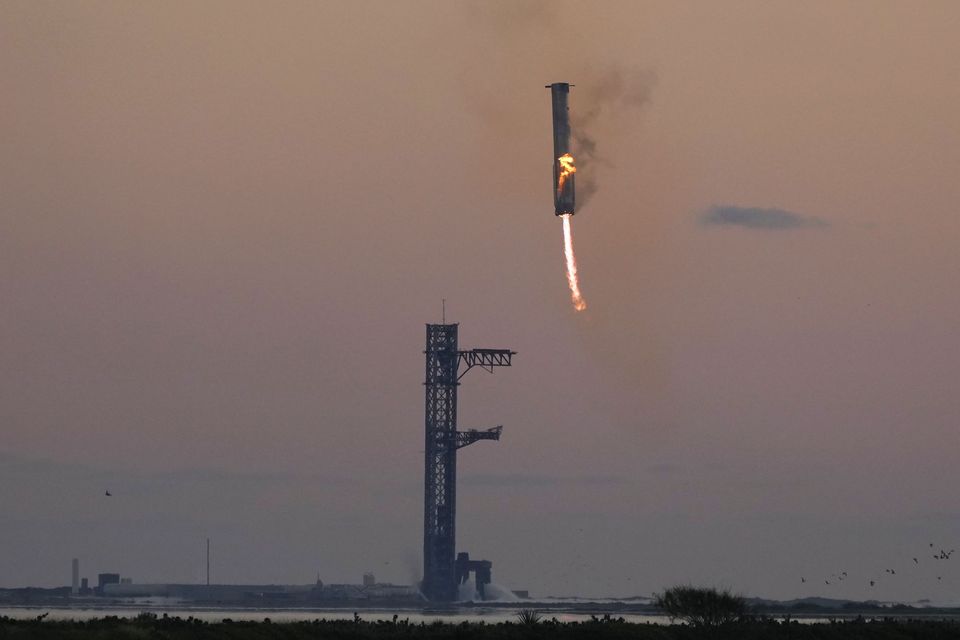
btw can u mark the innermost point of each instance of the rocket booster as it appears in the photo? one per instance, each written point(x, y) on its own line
point(563, 169)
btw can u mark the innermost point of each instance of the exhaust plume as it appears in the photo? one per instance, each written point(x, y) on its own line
point(575, 296)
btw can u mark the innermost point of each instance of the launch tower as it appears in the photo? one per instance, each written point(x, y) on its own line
point(445, 366)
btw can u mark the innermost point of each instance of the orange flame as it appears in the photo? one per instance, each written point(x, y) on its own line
point(566, 169)
point(578, 302)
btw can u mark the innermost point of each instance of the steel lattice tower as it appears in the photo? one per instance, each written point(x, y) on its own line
point(445, 365)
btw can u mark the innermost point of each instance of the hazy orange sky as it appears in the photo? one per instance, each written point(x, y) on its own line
point(224, 225)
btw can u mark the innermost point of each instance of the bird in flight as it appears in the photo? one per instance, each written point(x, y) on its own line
point(872, 582)
point(915, 561)
point(107, 493)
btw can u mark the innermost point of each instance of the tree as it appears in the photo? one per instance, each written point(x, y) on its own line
point(701, 606)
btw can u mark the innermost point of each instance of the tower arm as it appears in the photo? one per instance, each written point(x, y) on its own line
point(484, 358)
point(472, 435)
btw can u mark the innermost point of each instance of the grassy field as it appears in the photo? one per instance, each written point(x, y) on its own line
point(148, 626)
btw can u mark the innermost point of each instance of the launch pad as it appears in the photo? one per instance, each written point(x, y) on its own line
point(446, 364)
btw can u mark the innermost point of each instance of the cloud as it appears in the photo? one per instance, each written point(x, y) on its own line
point(757, 218)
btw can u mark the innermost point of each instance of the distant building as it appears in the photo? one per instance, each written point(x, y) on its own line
point(369, 580)
point(103, 579)
point(267, 595)
point(75, 582)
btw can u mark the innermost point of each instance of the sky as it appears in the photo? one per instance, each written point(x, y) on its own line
point(225, 224)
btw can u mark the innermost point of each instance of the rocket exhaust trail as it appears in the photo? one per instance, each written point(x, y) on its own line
point(575, 296)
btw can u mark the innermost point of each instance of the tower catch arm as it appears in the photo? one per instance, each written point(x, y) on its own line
point(472, 435)
point(485, 359)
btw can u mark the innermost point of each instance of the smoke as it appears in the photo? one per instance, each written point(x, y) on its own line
point(493, 592)
point(412, 569)
point(530, 43)
point(616, 95)
point(499, 593)
point(757, 218)
point(467, 592)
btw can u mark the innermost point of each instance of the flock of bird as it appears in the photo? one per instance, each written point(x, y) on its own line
point(840, 576)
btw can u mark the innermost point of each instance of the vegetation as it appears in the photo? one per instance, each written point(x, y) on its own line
point(528, 616)
point(701, 606)
point(149, 627)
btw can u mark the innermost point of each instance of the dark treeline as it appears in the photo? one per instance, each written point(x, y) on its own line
point(148, 626)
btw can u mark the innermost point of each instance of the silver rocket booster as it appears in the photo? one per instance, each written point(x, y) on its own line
point(563, 181)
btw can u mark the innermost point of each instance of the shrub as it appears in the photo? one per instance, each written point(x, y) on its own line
point(701, 606)
point(528, 616)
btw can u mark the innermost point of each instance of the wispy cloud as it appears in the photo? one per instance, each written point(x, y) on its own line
point(758, 218)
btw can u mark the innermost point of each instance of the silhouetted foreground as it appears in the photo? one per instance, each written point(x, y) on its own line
point(148, 626)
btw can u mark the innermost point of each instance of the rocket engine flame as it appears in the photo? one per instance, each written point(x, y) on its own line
point(575, 296)
point(566, 169)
